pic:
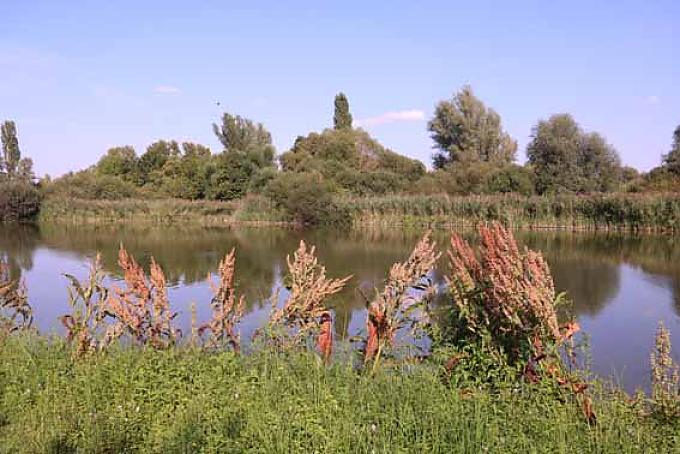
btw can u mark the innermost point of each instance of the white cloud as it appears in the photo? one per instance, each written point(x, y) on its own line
point(167, 90)
point(393, 117)
point(653, 99)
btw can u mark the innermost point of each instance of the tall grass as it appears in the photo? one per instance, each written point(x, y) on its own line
point(657, 212)
point(159, 211)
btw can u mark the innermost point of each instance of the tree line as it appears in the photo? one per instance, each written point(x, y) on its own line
point(473, 155)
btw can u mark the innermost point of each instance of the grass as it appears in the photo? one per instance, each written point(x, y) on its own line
point(158, 211)
point(616, 211)
point(186, 400)
point(649, 212)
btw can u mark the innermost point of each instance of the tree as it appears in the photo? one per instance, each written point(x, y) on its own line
point(232, 175)
point(671, 161)
point(464, 129)
point(242, 134)
point(342, 118)
point(565, 159)
point(155, 157)
point(10, 149)
point(186, 175)
point(25, 170)
point(119, 162)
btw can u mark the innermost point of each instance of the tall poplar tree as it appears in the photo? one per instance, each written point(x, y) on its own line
point(342, 118)
point(10, 148)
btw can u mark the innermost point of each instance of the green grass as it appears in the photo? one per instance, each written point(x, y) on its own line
point(158, 211)
point(132, 400)
point(618, 211)
point(652, 212)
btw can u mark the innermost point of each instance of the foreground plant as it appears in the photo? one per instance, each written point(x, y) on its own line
point(15, 312)
point(504, 311)
point(665, 377)
point(85, 323)
point(142, 309)
point(402, 304)
point(304, 314)
point(227, 310)
point(506, 297)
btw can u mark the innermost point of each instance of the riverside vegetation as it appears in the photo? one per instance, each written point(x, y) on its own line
point(499, 370)
point(573, 178)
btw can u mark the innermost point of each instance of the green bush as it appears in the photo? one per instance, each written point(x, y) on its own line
point(88, 185)
point(18, 201)
point(307, 197)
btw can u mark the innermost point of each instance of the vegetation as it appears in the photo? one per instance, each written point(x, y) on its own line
point(342, 118)
point(464, 129)
point(565, 159)
point(311, 182)
point(19, 198)
point(636, 212)
point(255, 209)
point(493, 378)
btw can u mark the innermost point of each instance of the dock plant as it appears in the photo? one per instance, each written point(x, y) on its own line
point(305, 314)
point(402, 303)
point(85, 324)
point(227, 309)
point(665, 375)
point(141, 310)
point(16, 313)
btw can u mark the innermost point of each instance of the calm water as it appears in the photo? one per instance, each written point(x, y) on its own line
point(621, 286)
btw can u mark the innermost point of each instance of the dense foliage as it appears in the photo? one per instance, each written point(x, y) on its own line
point(566, 159)
point(464, 129)
point(19, 197)
point(18, 200)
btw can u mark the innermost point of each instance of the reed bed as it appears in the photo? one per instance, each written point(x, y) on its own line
point(251, 210)
point(645, 212)
point(616, 211)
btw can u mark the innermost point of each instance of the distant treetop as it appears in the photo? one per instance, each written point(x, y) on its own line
point(342, 118)
point(465, 130)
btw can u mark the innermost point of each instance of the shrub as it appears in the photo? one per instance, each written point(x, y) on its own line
point(18, 201)
point(88, 185)
point(307, 198)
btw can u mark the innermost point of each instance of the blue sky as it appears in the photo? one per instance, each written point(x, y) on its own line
point(79, 77)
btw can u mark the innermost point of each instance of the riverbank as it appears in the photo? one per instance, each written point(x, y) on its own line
point(248, 211)
point(624, 212)
point(185, 400)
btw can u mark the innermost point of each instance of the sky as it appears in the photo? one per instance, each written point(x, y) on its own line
point(80, 77)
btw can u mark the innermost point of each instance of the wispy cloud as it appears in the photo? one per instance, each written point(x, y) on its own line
point(653, 99)
point(393, 117)
point(167, 90)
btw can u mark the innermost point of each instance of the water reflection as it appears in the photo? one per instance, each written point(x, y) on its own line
point(610, 278)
